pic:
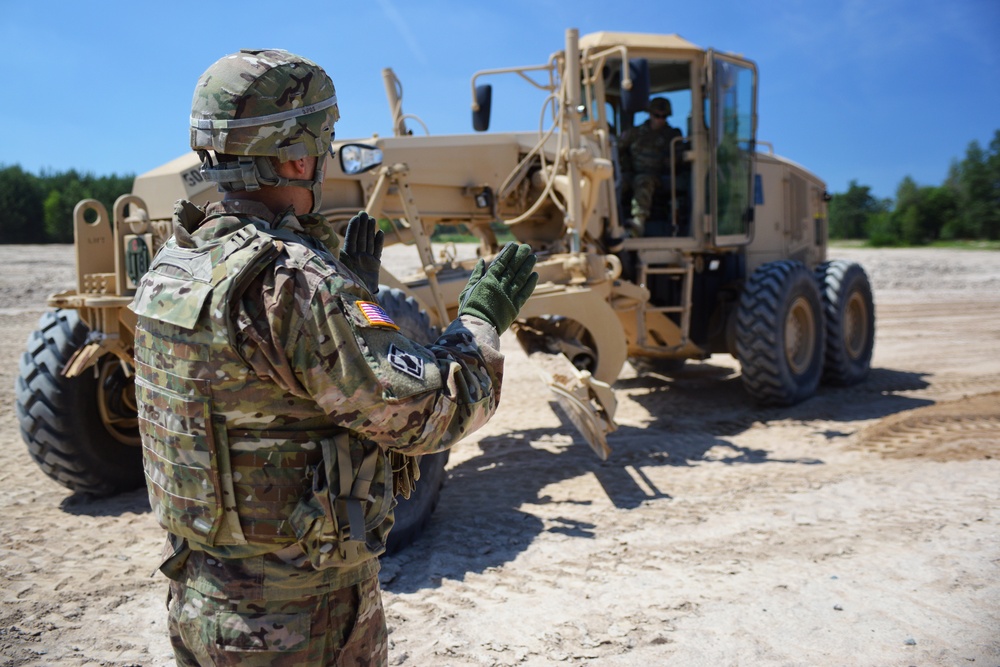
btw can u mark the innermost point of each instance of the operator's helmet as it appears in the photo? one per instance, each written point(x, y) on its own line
point(255, 105)
point(660, 105)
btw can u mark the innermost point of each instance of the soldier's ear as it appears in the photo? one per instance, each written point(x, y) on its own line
point(299, 169)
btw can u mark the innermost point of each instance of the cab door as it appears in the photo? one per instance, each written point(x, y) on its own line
point(732, 123)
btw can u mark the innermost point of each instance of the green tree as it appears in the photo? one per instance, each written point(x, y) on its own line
point(63, 196)
point(849, 212)
point(20, 207)
point(881, 229)
point(921, 213)
point(53, 214)
point(978, 190)
point(938, 209)
point(992, 222)
point(956, 227)
point(109, 188)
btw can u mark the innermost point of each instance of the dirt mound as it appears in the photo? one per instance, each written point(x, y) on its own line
point(962, 430)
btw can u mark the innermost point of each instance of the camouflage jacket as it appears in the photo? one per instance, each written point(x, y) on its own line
point(300, 368)
point(643, 150)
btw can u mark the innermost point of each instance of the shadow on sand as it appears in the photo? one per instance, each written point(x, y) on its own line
point(694, 411)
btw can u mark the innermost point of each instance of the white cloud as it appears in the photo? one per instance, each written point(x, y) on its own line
point(397, 20)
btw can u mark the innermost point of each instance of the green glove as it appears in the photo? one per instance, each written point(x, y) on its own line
point(362, 251)
point(496, 293)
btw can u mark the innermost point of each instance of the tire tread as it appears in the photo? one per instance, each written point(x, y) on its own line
point(758, 346)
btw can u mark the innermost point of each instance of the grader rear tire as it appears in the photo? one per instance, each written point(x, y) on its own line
point(413, 513)
point(81, 431)
point(850, 321)
point(780, 334)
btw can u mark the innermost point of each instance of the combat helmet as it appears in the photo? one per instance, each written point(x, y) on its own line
point(660, 105)
point(255, 105)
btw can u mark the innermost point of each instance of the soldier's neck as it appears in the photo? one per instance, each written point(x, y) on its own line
point(278, 199)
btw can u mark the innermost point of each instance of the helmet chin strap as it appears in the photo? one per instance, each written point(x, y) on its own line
point(249, 173)
point(317, 183)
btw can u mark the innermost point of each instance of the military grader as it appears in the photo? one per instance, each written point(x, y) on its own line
point(733, 259)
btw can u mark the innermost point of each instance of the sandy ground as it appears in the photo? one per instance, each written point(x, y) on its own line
point(861, 527)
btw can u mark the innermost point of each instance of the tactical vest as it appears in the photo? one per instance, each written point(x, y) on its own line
point(231, 459)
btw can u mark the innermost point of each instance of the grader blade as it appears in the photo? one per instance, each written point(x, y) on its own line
point(588, 403)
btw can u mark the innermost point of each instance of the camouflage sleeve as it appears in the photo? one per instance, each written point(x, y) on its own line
point(625, 152)
point(324, 337)
point(373, 380)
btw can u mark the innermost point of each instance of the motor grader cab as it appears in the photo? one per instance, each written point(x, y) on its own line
point(731, 260)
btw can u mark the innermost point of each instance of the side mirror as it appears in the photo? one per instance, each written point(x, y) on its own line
point(481, 112)
point(358, 158)
point(637, 98)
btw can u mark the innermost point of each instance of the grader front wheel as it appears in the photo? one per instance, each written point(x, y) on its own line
point(81, 431)
point(116, 401)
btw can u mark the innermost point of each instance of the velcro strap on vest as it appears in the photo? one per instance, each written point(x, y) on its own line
point(354, 488)
point(355, 513)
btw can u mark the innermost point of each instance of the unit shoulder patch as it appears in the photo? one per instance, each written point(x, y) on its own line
point(406, 362)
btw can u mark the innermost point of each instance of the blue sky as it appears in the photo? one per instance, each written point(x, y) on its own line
point(872, 90)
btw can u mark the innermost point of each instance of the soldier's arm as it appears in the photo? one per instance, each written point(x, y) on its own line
point(304, 326)
point(373, 380)
point(625, 152)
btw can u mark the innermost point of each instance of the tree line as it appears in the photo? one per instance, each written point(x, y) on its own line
point(965, 207)
point(39, 209)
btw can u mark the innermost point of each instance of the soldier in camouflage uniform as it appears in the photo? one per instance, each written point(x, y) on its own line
point(644, 154)
point(279, 406)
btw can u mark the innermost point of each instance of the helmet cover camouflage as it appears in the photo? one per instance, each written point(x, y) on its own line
point(264, 102)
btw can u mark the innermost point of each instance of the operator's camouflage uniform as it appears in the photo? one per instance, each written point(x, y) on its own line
point(644, 154)
point(262, 365)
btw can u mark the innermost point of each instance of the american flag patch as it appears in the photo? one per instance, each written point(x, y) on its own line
point(375, 315)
